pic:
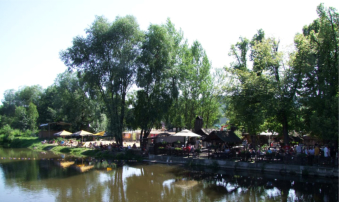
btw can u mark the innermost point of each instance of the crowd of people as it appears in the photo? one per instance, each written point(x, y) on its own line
point(109, 147)
point(311, 153)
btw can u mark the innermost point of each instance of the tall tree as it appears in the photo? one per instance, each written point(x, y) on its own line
point(194, 82)
point(317, 59)
point(267, 90)
point(47, 107)
point(244, 89)
point(281, 101)
point(209, 99)
point(155, 78)
point(106, 59)
point(72, 103)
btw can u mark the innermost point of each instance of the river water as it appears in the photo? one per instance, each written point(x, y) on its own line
point(26, 175)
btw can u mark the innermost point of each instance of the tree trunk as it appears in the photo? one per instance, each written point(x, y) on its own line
point(141, 139)
point(285, 129)
point(122, 115)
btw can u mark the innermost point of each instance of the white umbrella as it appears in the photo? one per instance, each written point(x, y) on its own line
point(186, 133)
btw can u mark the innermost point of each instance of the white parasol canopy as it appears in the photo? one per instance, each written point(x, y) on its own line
point(186, 133)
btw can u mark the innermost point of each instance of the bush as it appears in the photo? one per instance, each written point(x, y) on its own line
point(7, 134)
point(28, 133)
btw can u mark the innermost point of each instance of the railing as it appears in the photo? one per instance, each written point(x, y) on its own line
point(296, 159)
point(275, 157)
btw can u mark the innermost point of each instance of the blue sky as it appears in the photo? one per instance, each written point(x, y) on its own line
point(34, 32)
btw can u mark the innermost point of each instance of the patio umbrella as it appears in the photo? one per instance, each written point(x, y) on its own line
point(82, 133)
point(102, 133)
point(185, 133)
point(63, 133)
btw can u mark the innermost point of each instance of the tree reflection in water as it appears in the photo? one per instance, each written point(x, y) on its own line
point(47, 180)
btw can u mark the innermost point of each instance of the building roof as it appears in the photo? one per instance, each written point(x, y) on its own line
point(222, 136)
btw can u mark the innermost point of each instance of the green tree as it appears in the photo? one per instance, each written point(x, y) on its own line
point(154, 77)
point(281, 101)
point(29, 94)
point(46, 106)
point(21, 118)
point(106, 60)
point(19, 108)
point(32, 115)
point(7, 109)
point(267, 91)
point(316, 58)
point(71, 104)
point(194, 82)
point(244, 90)
point(210, 99)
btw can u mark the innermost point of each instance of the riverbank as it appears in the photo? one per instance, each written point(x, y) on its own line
point(34, 143)
point(283, 169)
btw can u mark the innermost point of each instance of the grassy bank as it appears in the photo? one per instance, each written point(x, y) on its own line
point(34, 143)
point(19, 142)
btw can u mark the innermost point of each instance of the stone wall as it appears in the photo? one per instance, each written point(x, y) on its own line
point(259, 167)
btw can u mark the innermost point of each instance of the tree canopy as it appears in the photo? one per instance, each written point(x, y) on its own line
point(120, 77)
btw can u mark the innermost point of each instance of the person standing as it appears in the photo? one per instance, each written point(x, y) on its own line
point(299, 149)
point(316, 150)
point(333, 154)
point(306, 150)
point(326, 151)
point(316, 153)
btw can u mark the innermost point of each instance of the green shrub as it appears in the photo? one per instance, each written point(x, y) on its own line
point(28, 133)
point(17, 133)
point(2, 136)
point(7, 134)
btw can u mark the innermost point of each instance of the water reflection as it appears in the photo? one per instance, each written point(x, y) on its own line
point(49, 179)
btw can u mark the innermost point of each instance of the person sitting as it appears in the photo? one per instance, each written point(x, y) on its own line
point(269, 151)
point(227, 150)
point(134, 146)
point(192, 149)
point(129, 147)
point(188, 148)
